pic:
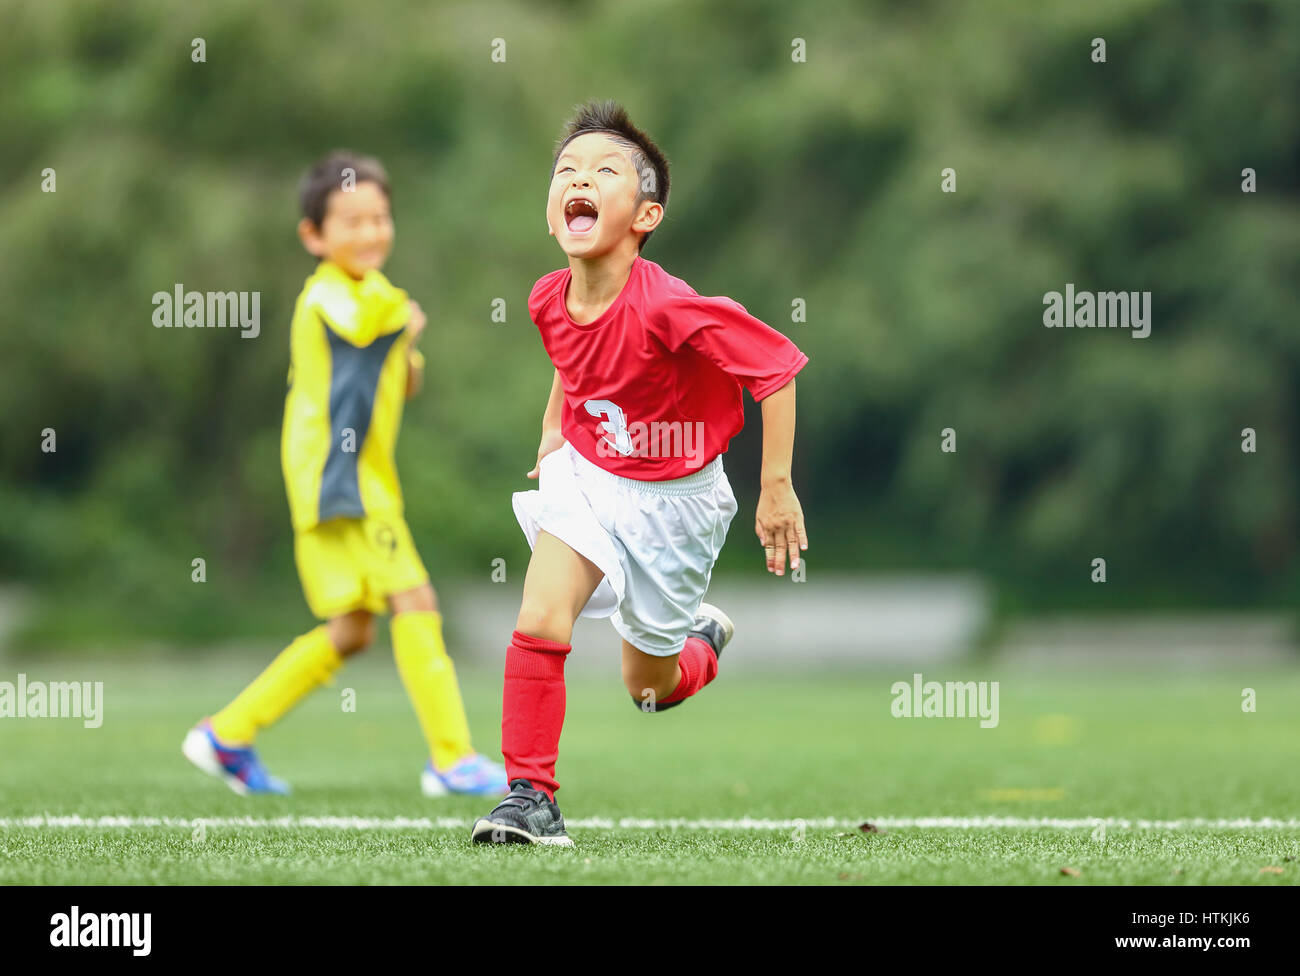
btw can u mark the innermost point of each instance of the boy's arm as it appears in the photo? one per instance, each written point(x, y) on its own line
point(415, 358)
point(552, 438)
point(778, 520)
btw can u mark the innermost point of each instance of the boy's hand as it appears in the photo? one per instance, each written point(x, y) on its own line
point(778, 521)
point(415, 326)
point(552, 440)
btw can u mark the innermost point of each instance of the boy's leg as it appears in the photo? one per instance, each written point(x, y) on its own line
point(671, 638)
point(648, 678)
point(392, 566)
point(301, 667)
point(557, 586)
point(222, 745)
point(429, 675)
point(659, 681)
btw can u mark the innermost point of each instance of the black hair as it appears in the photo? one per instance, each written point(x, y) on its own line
point(328, 174)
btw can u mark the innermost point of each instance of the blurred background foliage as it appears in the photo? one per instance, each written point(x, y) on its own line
point(816, 180)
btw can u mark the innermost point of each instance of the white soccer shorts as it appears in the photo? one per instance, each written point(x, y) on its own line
point(655, 541)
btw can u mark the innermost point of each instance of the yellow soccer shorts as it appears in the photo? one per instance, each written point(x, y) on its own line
point(356, 564)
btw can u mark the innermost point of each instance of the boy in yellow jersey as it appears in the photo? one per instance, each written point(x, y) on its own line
point(353, 364)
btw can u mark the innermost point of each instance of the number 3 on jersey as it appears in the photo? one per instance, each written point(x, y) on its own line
point(616, 423)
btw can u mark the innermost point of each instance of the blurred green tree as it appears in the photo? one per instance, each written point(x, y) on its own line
point(816, 180)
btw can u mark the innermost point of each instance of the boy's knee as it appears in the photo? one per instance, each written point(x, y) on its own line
point(649, 684)
point(640, 690)
point(546, 622)
point(633, 683)
point(352, 632)
point(420, 599)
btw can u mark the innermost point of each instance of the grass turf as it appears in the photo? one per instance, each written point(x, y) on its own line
point(1130, 745)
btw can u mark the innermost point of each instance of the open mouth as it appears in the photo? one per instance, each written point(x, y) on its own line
point(580, 215)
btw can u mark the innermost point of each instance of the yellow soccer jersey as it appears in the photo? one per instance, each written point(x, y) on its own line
point(347, 387)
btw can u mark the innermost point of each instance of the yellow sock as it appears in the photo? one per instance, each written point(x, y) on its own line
point(430, 680)
point(306, 663)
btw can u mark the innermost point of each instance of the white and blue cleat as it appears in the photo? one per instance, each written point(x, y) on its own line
point(474, 775)
point(236, 766)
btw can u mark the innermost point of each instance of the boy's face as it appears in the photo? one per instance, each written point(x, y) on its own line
point(357, 232)
point(592, 207)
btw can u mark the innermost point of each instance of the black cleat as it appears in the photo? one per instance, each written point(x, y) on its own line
point(714, 628)
point(525, 816)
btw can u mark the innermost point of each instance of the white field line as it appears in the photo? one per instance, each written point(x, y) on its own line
point(74, 821)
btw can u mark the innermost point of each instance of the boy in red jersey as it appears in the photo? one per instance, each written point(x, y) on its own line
point(633, 505)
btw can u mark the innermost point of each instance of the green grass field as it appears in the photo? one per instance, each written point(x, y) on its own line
point(1070, 746)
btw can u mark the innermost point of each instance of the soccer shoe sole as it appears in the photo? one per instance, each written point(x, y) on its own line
point(489, 832)
point(430, 785)
point(728, 628)
point(198, 750)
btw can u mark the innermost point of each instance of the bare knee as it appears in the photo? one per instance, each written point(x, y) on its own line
point(539, 619)
point(419, 599)
point(651, 680)
point(352, 632)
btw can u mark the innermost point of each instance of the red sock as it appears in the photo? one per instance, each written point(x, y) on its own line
point(532, 710)
point(699, 666)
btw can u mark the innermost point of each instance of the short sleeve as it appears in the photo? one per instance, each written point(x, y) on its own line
point(760, 358)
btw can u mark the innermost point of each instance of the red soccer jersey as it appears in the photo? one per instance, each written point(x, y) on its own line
point(652, 387)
